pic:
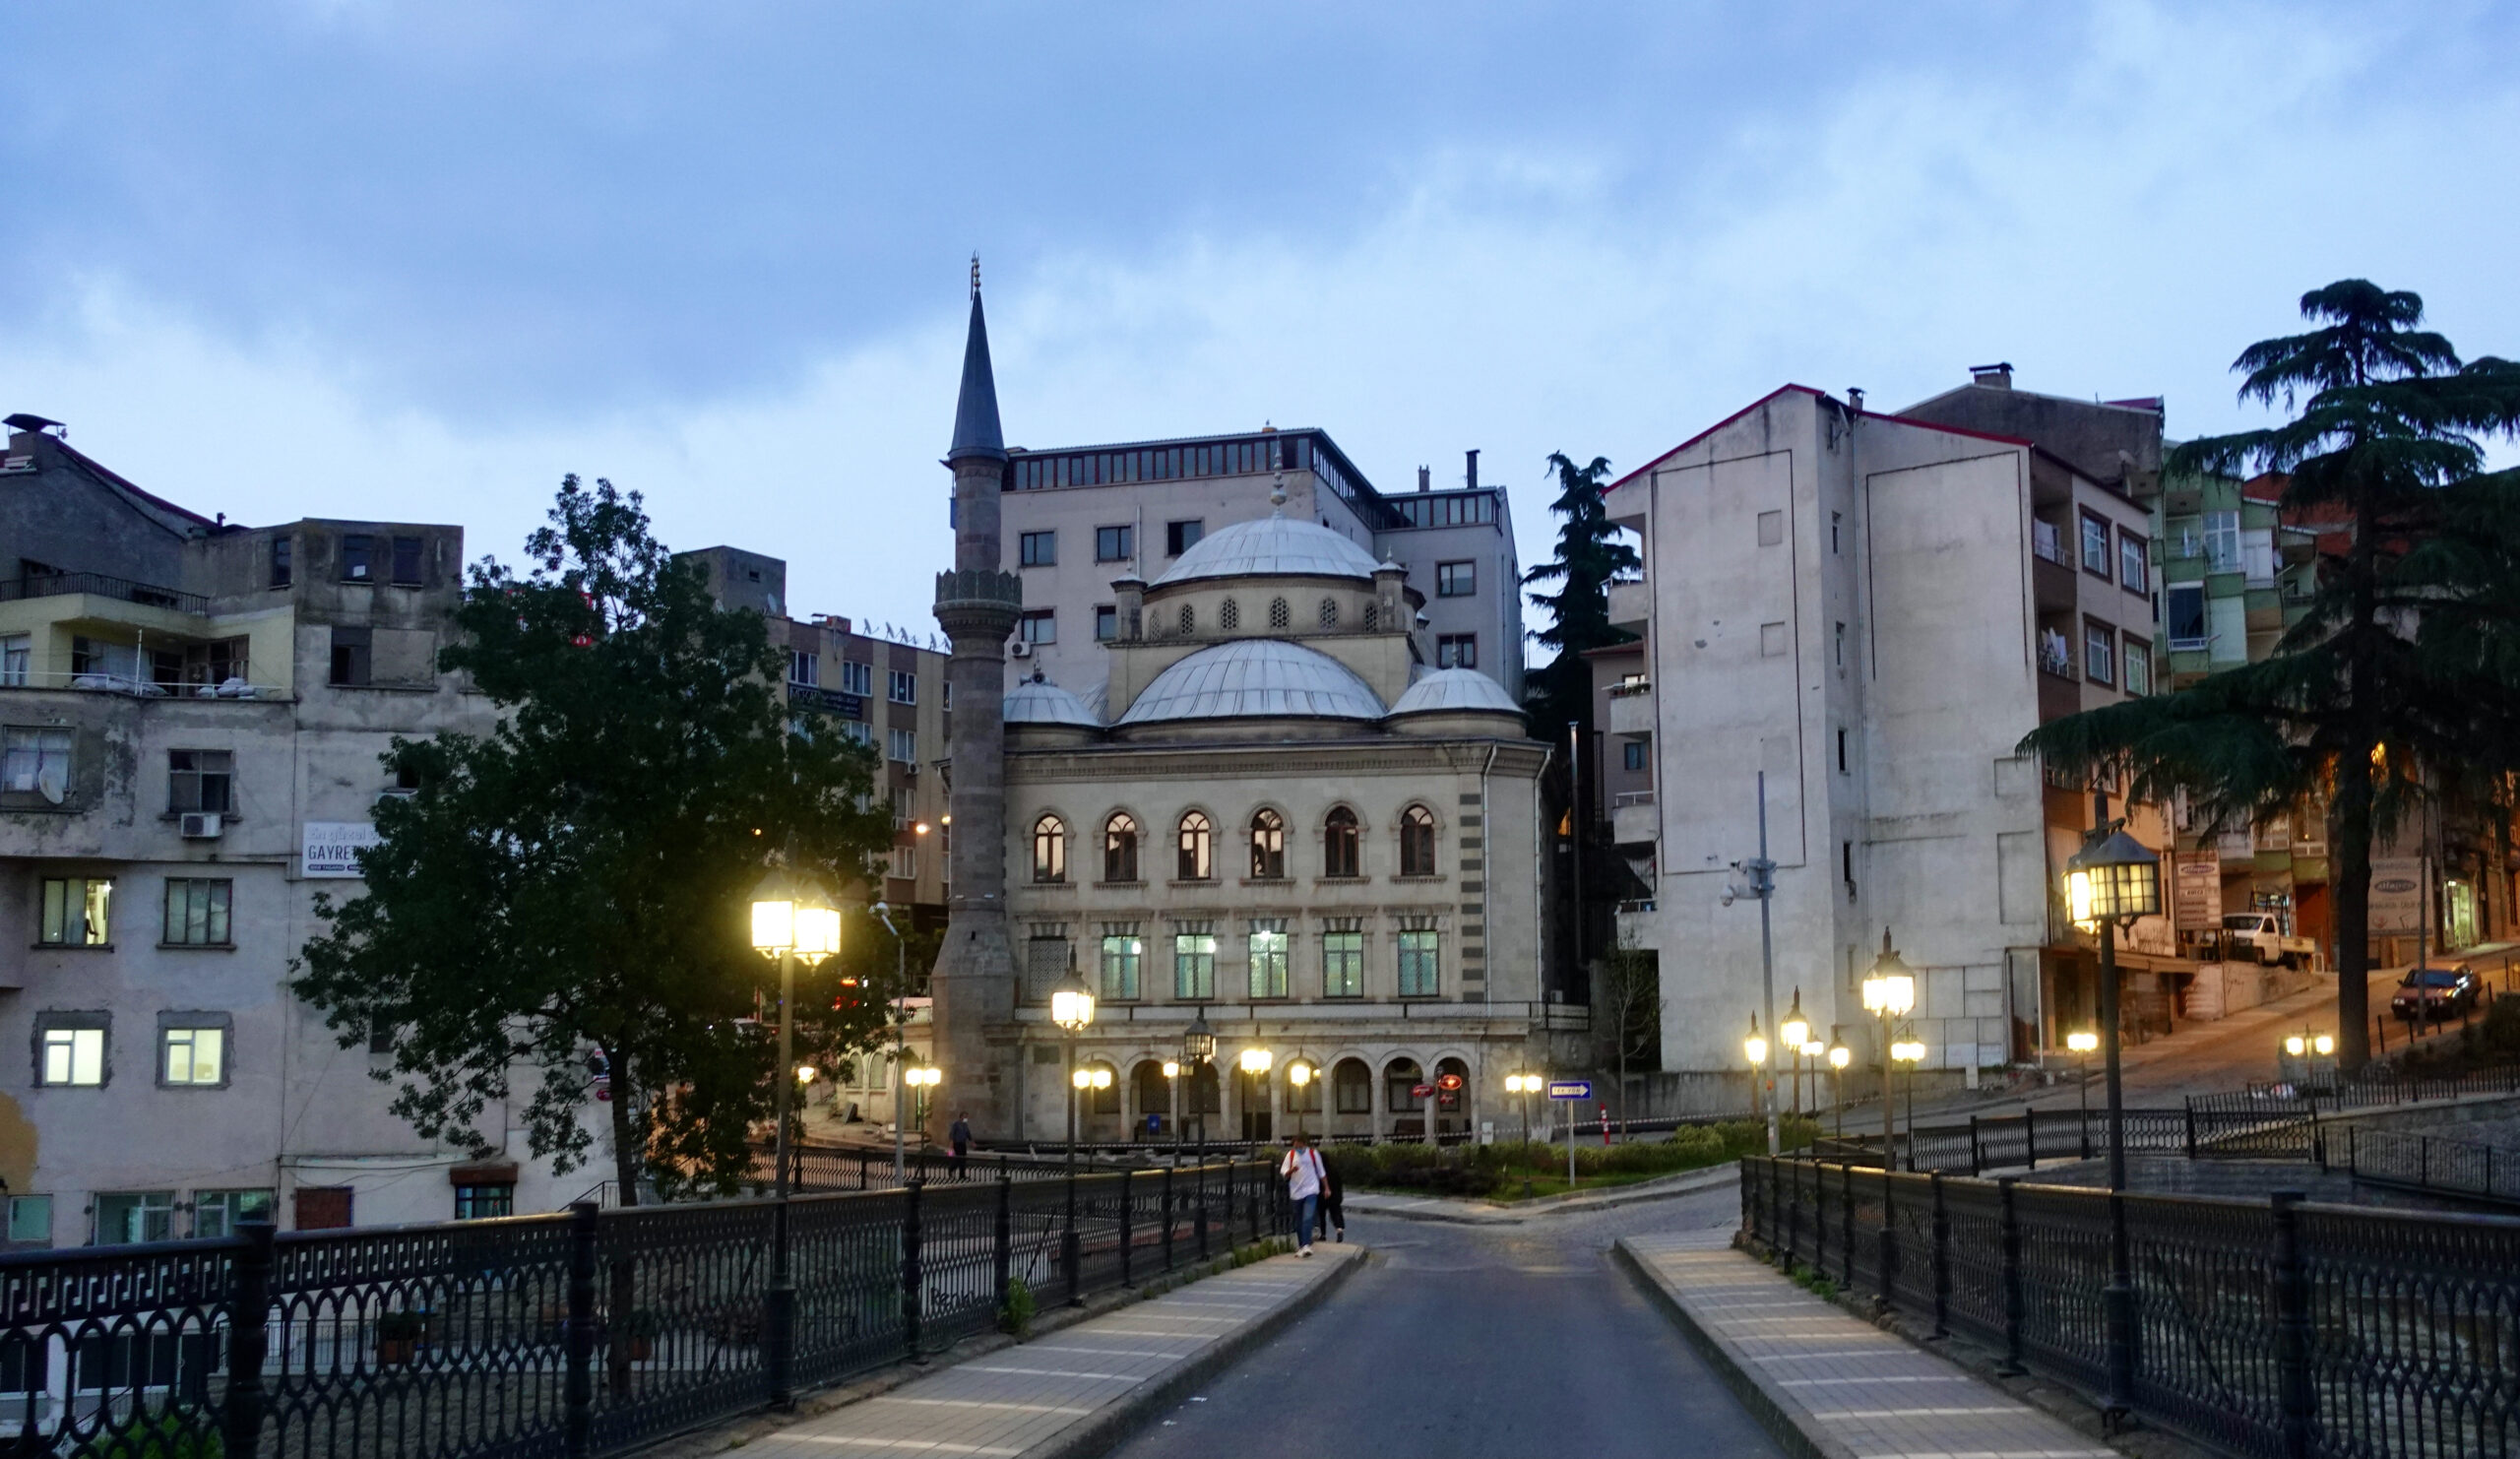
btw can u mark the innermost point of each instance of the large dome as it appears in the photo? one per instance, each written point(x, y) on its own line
point(1456, 692)
point(1255, 678)
point(1040, 702)
point(1270, 548)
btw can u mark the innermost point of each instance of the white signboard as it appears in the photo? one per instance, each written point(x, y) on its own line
point(2197, 892)
point(332, 847)
point(2397, 894)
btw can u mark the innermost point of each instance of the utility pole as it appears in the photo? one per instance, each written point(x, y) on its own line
point(1762, 885)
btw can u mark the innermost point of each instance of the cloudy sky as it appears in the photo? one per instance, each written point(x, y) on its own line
point(284, 258)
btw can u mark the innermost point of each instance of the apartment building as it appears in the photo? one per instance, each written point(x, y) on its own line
point(194, 713)
point(1081, 520)
point(1872, 610)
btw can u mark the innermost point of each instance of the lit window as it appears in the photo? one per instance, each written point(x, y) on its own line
point(77, 912)
point(1269, 958)
point(192, 1057)
point(1421, 973)
point(1194, 966)
point(1196, 861)
point(36, 761)
point(1343, 964)
point(1049, 850)
point(73, 1056)
point(1123, 954)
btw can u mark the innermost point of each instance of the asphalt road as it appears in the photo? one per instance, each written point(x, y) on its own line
point(1462, 1342)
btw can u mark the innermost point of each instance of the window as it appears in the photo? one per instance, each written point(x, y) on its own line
point(73, 1049)
point(1329, 612)
point(1268, 847)
point(1457, 650)
point(1771, 529)
point(473, 1202)
point(359, 558)
point(856, 678)
point(1632, 754)
point(2133, 573)
point(1114, 543)
point(1837, 652)
point(901, 686)
point(804, 668)
point(1269, 958)
point(857, 731)
point(1122, 952)
point(1106, 623)
point(1845, 862)
point(129, 1216)
point(904, 865)
point(406, 562)
point(1456, 578)
point(1037, 549)
point(192, 1057)
point(1342, 964)
point(2095, 545)
point(1351, 1087)
point(2139, 666)
point(200, 779)
point(1400, 1081)
point(36, 761)
point(77, 912)
point(1039, 626)
point(284, 569)
point(17, 657)
point(215, 1213)
point(1181, 536)
point(1420, 964)
point(1120, 847)
point(1418, 842)
point(1835, 518)
point(1339, 844)
point(902, 745)
point(1049, 850)
point(1189, 620)
point(1280, 614)
point(197, 912)
point(2222, 542)
point(31, 1221)
point(1841, 752)
point(1197, 846)
point(352, 648)
point(2100, 653)
point(1194, 966)
point(2187, 615)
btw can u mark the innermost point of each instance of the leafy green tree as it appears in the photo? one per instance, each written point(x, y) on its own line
point(1589, 555)
point(568, 892)
point(2352, 707)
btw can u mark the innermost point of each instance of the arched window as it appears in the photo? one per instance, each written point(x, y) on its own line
point(1197, 861)
point(1152, 1093)
point(1339, 842)
point(1230, 616)
point(1330, 612)
point(1049, 850)
point(1268, 847)
point(1280, 615)
point(1189, 621)
point(1418, 842)
point(1120, 847)
point(1351, 1087)
point(1205, 1095)
point(1400, 1080)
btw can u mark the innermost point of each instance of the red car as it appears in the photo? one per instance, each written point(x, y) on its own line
point(2432, 994)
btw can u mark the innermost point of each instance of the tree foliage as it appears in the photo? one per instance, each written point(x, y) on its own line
point(1589, 555)
point(2386, 689)
point(572, 885)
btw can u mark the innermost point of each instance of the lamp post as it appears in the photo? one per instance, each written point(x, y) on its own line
point(1255, 1062)
point(2110, 882)
point(1198, 1050)
point(1889, 991)
point(1760, 882)
point(1795, 1030)
point(1910, 1051)
point(2084, 1041)
point(1173, 1100)
point(1754, 1047)
point(1839, 1058)
point(1298, 1077)
point(793, 922)
point(1072, 1010)
point(900, 1015)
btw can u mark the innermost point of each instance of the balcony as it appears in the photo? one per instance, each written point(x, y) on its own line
point(1633, 819)
point(1632, 710)
point(1632, 605)
point(99, 585)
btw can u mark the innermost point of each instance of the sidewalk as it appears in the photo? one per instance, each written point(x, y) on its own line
point(1827, 1382)
point(1080, 1390)
point(1493, 1213)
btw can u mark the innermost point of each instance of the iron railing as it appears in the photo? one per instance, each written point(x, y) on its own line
point(587, 1332)
point(2430, 1165)
point(1994, 1142)
point(2275, 1329)
point(100, 585)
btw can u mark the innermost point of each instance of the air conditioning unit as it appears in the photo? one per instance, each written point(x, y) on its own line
point(1020, 649)
point(910, 770)
point(200, 825)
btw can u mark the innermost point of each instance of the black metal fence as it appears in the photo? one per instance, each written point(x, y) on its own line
point(2429, 1164)
point(2280, 1329)
point(1994, 1142)
point(582, 1333)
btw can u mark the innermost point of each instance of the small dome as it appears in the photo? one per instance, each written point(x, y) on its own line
point(1456, 692)
point(1255, 678)
point(1270, 548)
point(1040, 702)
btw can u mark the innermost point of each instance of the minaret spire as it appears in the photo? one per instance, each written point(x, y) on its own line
point(975, 430)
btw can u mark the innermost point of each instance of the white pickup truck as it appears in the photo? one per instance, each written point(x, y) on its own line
point(2262, 933)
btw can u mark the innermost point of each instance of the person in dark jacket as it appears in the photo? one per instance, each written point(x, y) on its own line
point(1333, 1212)
point(960, 1135)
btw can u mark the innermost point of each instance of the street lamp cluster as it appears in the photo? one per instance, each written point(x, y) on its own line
point(793, 922)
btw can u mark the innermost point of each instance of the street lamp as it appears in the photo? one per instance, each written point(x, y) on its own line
point(2084, 1041)
point(1910, 1051)
point(1198, 1050)
point(1255, 1063)
point(2110, 884)
point(1172, 1099)
point(1525, 1085)
point(1889, 991)
point(1812, 1051)
point(1839, 1058)
point(922, 1077)
point(1072, 1010)
point(1795, 1030)
point(1755, 1049)
point(793, 922)
point(1298, 1076)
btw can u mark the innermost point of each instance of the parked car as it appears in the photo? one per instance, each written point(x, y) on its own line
point(2261, 934)
point(2433, 993)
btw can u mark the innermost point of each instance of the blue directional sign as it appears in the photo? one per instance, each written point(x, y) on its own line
point(1570, 1089)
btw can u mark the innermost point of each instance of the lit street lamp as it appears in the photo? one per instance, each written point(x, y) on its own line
point(1198, 1050)
point(1298, 1076)
point(1255, 1063)
point(793, 922)
point(1072, 1010)
point(1795, 1032)
point(2110, 884)
point(1910, 1051)
point(1889, 991)
point(1525, 1085)
point(1755, 1050)
point(1172, 1098)
point(1839, 1058)
point(2082, 1042)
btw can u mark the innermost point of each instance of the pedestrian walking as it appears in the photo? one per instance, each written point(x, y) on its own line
point(1303, 1173)
point(960, 1135)
point(1333, 1201)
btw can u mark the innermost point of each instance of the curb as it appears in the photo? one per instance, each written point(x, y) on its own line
point(1105, 1430)
point(1782, 1414)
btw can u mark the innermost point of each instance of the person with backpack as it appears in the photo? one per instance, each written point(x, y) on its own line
point(1305, 1176)
point(1333, 1199)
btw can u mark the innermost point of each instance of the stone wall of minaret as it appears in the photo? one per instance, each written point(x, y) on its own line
point(977, 604)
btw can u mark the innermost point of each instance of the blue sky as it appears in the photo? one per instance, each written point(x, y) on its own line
point(328, 257)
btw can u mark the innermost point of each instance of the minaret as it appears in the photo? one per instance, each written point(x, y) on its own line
point(977, 604)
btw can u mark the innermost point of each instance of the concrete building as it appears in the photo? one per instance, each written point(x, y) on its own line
point(193, 713)
point(1872, 610)
point(1080, 519)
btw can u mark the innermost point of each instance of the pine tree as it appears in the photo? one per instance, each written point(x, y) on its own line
point(2352, 707)
point(1589, 555)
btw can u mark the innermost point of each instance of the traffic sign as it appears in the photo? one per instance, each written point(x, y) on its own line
point(1421, 1090)
point(1570, 1089)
